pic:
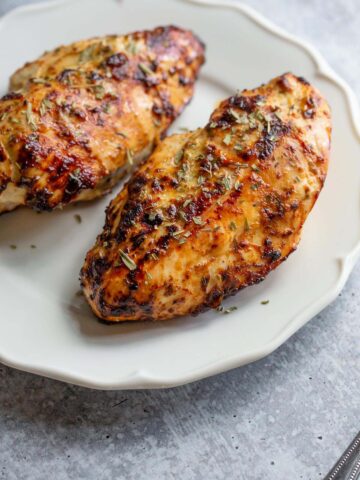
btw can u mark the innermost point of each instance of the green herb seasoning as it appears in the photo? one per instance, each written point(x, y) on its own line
point(45, 106)
point(246, 225)
point(87, 54)
point(183, 216)
point(226, 310)
point(145, 69)
point(227, 139)
point(238, 185)
point(39, 80)
point(181, 174)
point(121, 134)
point(127, 261)
point(30, 117)
point(232, 226)
point(235, 114)
point(74, 175)
point(230, 309)
point(226, 182)
point(259, 115)
point(241, 119)
point(200, 180)
point(99, 92)
point(106, 107)
point(132, 47)
point(265, 302)
point(78, 218)
point(177, 233)
point(178, 156)
point(252, 120)
point(129, 156)
point(197, 220)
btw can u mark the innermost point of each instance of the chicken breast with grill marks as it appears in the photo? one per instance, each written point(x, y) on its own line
point(214, 210)
point(85, 111)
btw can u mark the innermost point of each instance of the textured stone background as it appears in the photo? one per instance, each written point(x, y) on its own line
point(288, 416)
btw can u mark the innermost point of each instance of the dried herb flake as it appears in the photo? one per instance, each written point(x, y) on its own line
point(127, 261)
point(197, 220)
point(45, 106)
point(145, 69)
point(30, 116)
point(227, 139)
point(178, 156)
point(232, 226)
point(129, 156)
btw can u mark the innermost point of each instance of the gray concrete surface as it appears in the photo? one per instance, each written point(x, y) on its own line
point(286, 417)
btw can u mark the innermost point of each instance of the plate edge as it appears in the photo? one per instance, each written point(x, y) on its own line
point(140, 379)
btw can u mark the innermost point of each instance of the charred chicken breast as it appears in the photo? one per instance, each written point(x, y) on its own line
point(214, 210)
point(82, 112)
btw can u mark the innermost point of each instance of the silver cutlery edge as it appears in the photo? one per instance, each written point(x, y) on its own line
point(348, 465)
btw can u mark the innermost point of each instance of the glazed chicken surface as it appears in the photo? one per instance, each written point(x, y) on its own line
point(214, 210)
point(80, 114)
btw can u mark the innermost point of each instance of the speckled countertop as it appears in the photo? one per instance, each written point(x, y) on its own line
point(288, 416)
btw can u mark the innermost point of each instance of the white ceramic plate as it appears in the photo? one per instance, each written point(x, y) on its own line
point(47, 329)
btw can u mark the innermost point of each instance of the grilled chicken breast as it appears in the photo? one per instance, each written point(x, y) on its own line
point(86, 110)
point(214, 210)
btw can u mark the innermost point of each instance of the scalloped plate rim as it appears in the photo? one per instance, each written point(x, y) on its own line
point(141, 379)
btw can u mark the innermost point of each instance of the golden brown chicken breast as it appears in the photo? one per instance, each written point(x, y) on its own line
point(215, 210)
point(85, 111)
